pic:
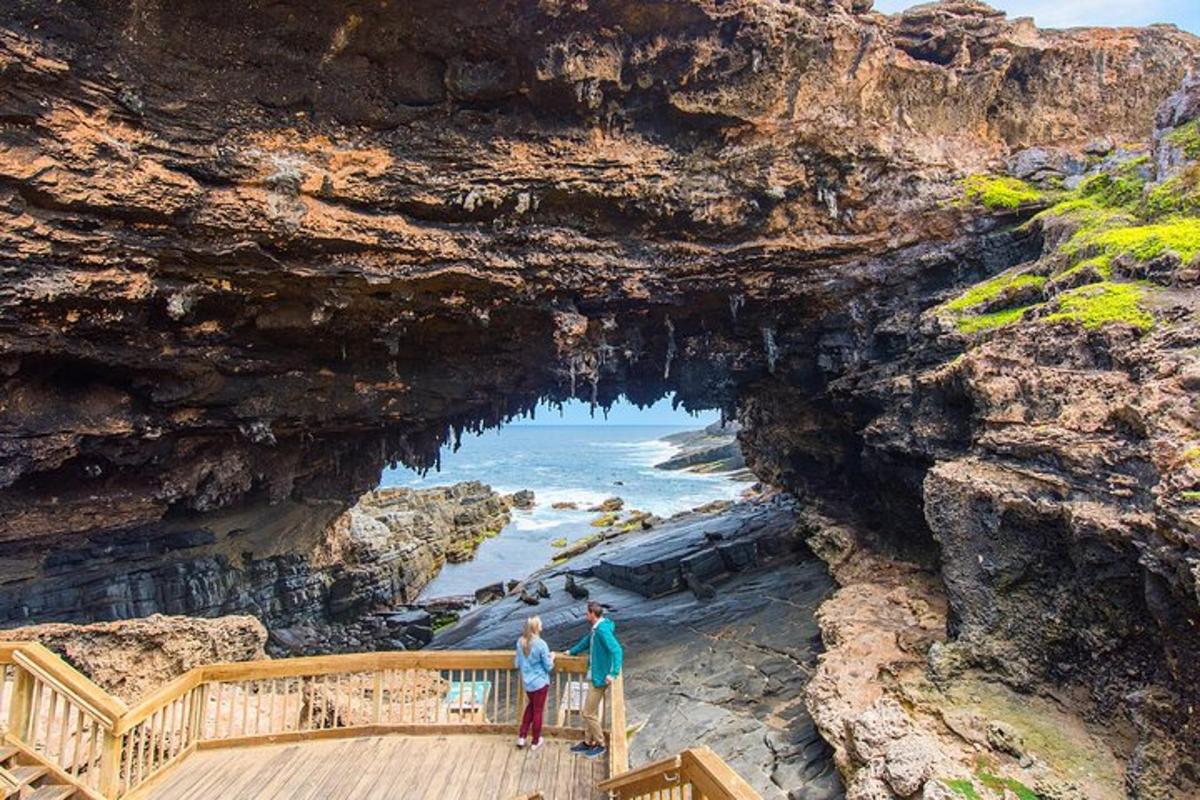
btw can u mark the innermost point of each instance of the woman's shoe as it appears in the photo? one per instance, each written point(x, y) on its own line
point(536, 745)
point(520, 741)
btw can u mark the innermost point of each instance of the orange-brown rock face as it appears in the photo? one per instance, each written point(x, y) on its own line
point(252, 253)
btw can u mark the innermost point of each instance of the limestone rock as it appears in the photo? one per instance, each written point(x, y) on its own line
point(132, 658)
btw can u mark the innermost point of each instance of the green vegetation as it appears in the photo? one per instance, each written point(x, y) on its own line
point(992, 321)
point(963, 788)
point(1191, 454)
point(1187, 139)
point(1114, 191)
point(998, 784)
point(605, 520)
point(1000, 192)
point(1113, 223)
point(1098, 304)
point(559, 542)
point(1180, 236)
point(1175, 196)
point(1190, 496)
point(444, 620)
point(993, 288)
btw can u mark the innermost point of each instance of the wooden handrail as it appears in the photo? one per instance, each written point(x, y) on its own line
point(714, 778)
point(67, 680)
point(699, 767)
point(177, 711)
point(668, 764)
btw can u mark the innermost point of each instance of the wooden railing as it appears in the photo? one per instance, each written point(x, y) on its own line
point(58, 717)
point(695, 774)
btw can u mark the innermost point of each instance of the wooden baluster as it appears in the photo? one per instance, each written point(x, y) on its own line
point(245, 687)
point(217, 692)
point(90, 765)
point(51, 715)
point(128, 748)
point(72, 766)
point(35, 722)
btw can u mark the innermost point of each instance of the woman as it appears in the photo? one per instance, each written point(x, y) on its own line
point(534, 660)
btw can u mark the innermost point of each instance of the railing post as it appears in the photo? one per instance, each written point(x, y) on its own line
point(22, 697)
point(110, 765)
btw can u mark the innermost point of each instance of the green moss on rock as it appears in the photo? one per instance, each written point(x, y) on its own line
point(1187, 139)
point(1180, 236)
point(1000, 192)
point(1100, 304)
point(978, 323)
point(993, 288)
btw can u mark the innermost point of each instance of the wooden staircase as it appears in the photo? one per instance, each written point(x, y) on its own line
point(23, 781)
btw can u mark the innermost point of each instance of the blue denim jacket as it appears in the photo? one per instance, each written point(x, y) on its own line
point(535, 667)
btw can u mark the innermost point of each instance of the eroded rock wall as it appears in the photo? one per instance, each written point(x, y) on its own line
point(131, 658)
point(312, 592)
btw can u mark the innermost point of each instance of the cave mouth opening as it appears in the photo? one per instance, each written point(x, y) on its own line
point(572, 473)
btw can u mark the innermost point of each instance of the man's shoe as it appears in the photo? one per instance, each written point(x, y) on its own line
point(520, 741)
point(594, 752)
point(581, 747)
point(536, 745)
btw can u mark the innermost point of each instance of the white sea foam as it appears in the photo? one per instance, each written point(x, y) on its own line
point(531, 522)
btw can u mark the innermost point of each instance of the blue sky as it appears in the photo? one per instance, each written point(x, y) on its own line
point(623, 413)
point(1071, 13)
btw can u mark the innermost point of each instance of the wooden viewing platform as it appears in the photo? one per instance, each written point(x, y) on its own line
point(418, 725)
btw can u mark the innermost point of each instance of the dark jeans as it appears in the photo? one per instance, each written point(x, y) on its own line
point(534, 710)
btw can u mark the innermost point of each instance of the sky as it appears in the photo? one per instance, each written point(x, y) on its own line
point(1072, 13)
point(622, 413)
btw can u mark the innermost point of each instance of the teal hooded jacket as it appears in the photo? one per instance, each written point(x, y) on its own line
point(606, 652)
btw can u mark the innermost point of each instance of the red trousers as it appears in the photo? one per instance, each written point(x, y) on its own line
point(534, 709)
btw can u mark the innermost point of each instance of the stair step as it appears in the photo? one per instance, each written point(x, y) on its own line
point(51, 793)
point(27, 774)
point(7, 752)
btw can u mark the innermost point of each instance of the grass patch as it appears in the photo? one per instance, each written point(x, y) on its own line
point(999, 192)
point(559, 542)
point(1100, 304)
point(605, 520)
point(1191, 454)
point(1190, 496)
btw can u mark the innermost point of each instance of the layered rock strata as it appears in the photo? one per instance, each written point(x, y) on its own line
point(314, 595)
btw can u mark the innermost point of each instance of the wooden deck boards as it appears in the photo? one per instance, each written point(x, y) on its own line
point(479, 767)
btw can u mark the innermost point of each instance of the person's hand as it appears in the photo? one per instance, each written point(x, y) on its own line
point(608, 680)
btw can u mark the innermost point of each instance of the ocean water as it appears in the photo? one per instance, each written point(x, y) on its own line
point(561, 463)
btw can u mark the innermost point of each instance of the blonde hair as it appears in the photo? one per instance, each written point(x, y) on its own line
point(533, 630)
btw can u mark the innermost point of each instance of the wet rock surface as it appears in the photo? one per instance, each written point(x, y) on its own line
point(728, 670)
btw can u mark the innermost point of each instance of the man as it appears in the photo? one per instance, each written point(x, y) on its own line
point(604, 665)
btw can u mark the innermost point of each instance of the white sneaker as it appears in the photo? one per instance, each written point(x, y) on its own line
point(537, 744)
point(520, 741)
